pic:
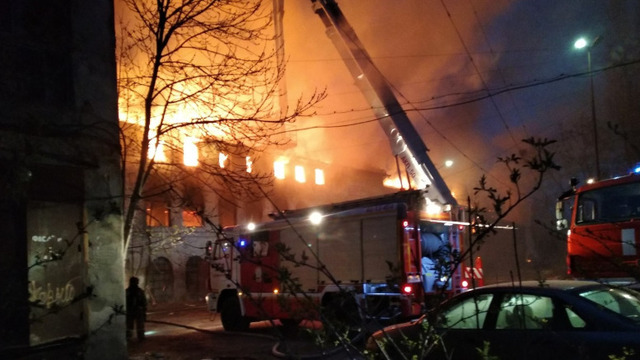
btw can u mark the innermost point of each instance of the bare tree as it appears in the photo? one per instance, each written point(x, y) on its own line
point(520, 188)
point(199, 73)
point(492, 205)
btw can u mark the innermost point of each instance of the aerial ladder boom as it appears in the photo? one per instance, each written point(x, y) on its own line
point(406, 143)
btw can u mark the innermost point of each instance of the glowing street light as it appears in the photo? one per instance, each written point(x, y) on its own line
point(315, 218)
point(446, 164)
point(582, 43)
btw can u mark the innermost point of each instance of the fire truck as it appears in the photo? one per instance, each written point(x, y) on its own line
point(602, 220)
point(388, 252)
point(391, 254)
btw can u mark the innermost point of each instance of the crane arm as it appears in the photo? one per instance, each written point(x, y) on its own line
point(405, 141)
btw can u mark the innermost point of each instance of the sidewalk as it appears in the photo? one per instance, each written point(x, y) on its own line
point(187, 331)
point(177, 306)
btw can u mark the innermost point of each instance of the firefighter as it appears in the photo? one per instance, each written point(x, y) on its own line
point(136, 308)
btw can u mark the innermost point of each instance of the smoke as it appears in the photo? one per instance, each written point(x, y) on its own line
point(419, 50)
point(452, 66)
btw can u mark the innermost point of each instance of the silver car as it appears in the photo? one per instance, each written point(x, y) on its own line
point(533, 320)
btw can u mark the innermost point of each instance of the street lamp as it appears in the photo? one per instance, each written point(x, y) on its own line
point(316, 218)
point(580, 44)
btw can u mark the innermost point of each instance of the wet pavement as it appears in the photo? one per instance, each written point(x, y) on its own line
point(191, 332)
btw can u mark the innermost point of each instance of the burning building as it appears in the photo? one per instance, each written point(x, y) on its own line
point(205, 147)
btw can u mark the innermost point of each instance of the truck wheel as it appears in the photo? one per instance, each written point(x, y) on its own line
point(342, 308)
point(341, 316)
point(231, 316)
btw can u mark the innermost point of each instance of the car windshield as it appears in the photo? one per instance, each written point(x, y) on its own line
point(622, 301)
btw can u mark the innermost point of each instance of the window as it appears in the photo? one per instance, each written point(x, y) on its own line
point(575, 320)
point(299, 174)
point(319, 177)
point(156, 151)
point(615, 203)
point(222, 160)
point(260, 248)
point(190, 152)
point(249, 164)
point(157, 214)
point(468, 314)
point(586, 210)
point(525, 311)
point(617, 300)
point(226, 213)
point(191, 218)
point(278, 169)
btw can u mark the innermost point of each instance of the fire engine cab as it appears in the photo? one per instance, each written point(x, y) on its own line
point(602, 220)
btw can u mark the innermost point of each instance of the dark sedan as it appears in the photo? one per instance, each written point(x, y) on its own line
point(533, 320)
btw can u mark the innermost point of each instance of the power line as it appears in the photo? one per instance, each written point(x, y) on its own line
point(292, 59)
point(489, 93)
point(493, 55)
point(475, 66)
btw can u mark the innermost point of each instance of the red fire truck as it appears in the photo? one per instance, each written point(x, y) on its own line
point(387, 252)
point(602, 220)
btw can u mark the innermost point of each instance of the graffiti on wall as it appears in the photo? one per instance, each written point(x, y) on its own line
point(49, 295)
point(56, 271)
point(46, 238)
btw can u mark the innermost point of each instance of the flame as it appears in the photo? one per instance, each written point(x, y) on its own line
point(394, 183)
point(222, 159)
point(190, 151)
point(156, 151)
point(200, 122)
point(249, 164)
point(433, 208)
point(299, 174)
point(319, 177)
point(278, 168)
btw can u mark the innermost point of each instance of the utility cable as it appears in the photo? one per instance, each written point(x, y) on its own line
point(477, 70)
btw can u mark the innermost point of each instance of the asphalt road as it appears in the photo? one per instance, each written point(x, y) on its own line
point(187, 332)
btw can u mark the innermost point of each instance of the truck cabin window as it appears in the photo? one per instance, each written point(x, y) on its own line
point(613, 204)
point(564, 209)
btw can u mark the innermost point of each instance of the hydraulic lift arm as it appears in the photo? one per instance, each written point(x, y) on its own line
point(405, 141)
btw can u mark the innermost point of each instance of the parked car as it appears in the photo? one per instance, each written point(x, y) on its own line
point(547, 320)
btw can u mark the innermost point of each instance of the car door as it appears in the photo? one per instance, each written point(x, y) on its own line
point(596, 331)
point(512, 325)
point(532, 326)
point(461, 327)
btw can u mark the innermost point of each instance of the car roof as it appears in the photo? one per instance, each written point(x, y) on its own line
point(545, 284)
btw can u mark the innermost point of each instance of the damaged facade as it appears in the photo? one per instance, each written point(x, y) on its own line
point(177, 218)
